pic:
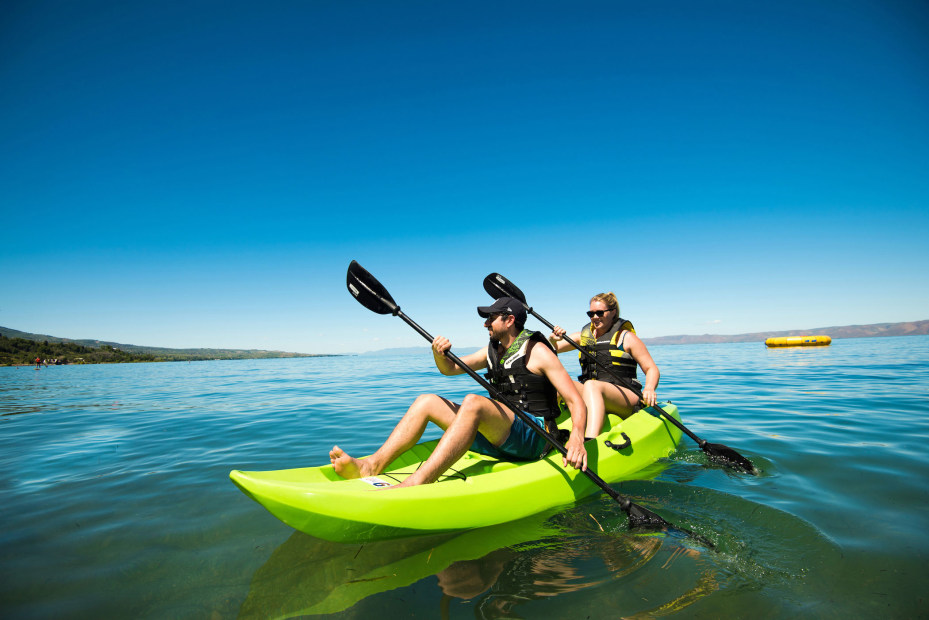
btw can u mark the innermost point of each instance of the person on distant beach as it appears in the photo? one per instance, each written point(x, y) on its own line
point(612, 340)
point(527, 373)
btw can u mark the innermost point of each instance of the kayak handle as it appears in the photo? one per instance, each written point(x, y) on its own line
point(619, 446)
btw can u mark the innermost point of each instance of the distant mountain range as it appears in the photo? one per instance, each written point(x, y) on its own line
point(910, 328)
point(418, 351)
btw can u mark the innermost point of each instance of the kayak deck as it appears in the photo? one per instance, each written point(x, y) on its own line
point(477, 491)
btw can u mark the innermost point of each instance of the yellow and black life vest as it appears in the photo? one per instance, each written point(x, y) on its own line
point(533, 393)
point(608, 350)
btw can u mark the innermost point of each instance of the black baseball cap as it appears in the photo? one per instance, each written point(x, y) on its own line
point(505, 305)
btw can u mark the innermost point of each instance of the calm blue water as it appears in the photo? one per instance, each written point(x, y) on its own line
point(117, 502)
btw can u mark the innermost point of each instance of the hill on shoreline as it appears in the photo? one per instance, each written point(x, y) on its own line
point(909, 328)
point(90, 351)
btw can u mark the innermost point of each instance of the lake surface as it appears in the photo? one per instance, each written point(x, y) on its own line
point(117, 501)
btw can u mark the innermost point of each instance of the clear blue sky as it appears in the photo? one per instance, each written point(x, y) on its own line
point(200, 174)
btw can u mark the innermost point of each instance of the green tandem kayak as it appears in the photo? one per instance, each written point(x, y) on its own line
point(477, 491)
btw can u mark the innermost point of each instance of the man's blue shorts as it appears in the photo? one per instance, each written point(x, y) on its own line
point(523, 444)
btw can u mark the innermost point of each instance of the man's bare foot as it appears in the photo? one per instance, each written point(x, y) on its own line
point(348, 466)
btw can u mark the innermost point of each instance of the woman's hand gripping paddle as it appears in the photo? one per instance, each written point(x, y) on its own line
point(372, 295)
point(498, 286)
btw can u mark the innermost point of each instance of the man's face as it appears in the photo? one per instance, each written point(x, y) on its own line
point(496, 324)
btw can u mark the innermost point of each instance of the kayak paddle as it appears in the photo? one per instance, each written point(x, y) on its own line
point(372, 295)
point(498, 286)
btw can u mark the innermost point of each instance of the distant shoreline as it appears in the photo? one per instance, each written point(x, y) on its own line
point(180, 361)
point(137, 354)
point(22, 348)
point(909, 328)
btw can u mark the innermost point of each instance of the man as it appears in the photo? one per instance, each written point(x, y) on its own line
point(528, 374)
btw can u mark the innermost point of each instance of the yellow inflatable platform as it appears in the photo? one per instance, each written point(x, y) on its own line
point(798, 341)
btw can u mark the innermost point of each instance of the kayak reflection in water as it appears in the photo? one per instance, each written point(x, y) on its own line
point(509, 577)
point(609, 384)
point(528, 374)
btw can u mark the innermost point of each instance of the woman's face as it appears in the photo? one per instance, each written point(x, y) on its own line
point(602, 315)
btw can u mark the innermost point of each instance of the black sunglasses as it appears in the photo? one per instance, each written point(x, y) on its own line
point(599, 313)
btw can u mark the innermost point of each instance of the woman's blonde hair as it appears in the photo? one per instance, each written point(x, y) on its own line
point(609, 299)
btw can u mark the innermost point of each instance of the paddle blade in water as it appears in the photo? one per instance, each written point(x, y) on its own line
point(727, 456)
point(717, 452)
point(646, 519)
point(497, 286)
point(642, 518)
point(368, 291)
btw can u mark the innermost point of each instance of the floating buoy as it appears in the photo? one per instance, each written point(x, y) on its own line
point(798, 341)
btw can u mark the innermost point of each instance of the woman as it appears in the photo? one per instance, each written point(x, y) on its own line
point(610, 385)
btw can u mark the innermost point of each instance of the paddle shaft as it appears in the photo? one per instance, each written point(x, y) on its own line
point(623, 502)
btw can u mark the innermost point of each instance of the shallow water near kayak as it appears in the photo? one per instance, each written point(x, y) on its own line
point(117, 501)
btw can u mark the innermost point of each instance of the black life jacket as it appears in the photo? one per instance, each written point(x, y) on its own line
point(533, 393)
point(609, 352)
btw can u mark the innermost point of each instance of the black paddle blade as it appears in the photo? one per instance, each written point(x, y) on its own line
point(717, 452)
point(646, 519)
point(497, 286)
point(725, 455)
point(642, 518)
point(368, 291)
